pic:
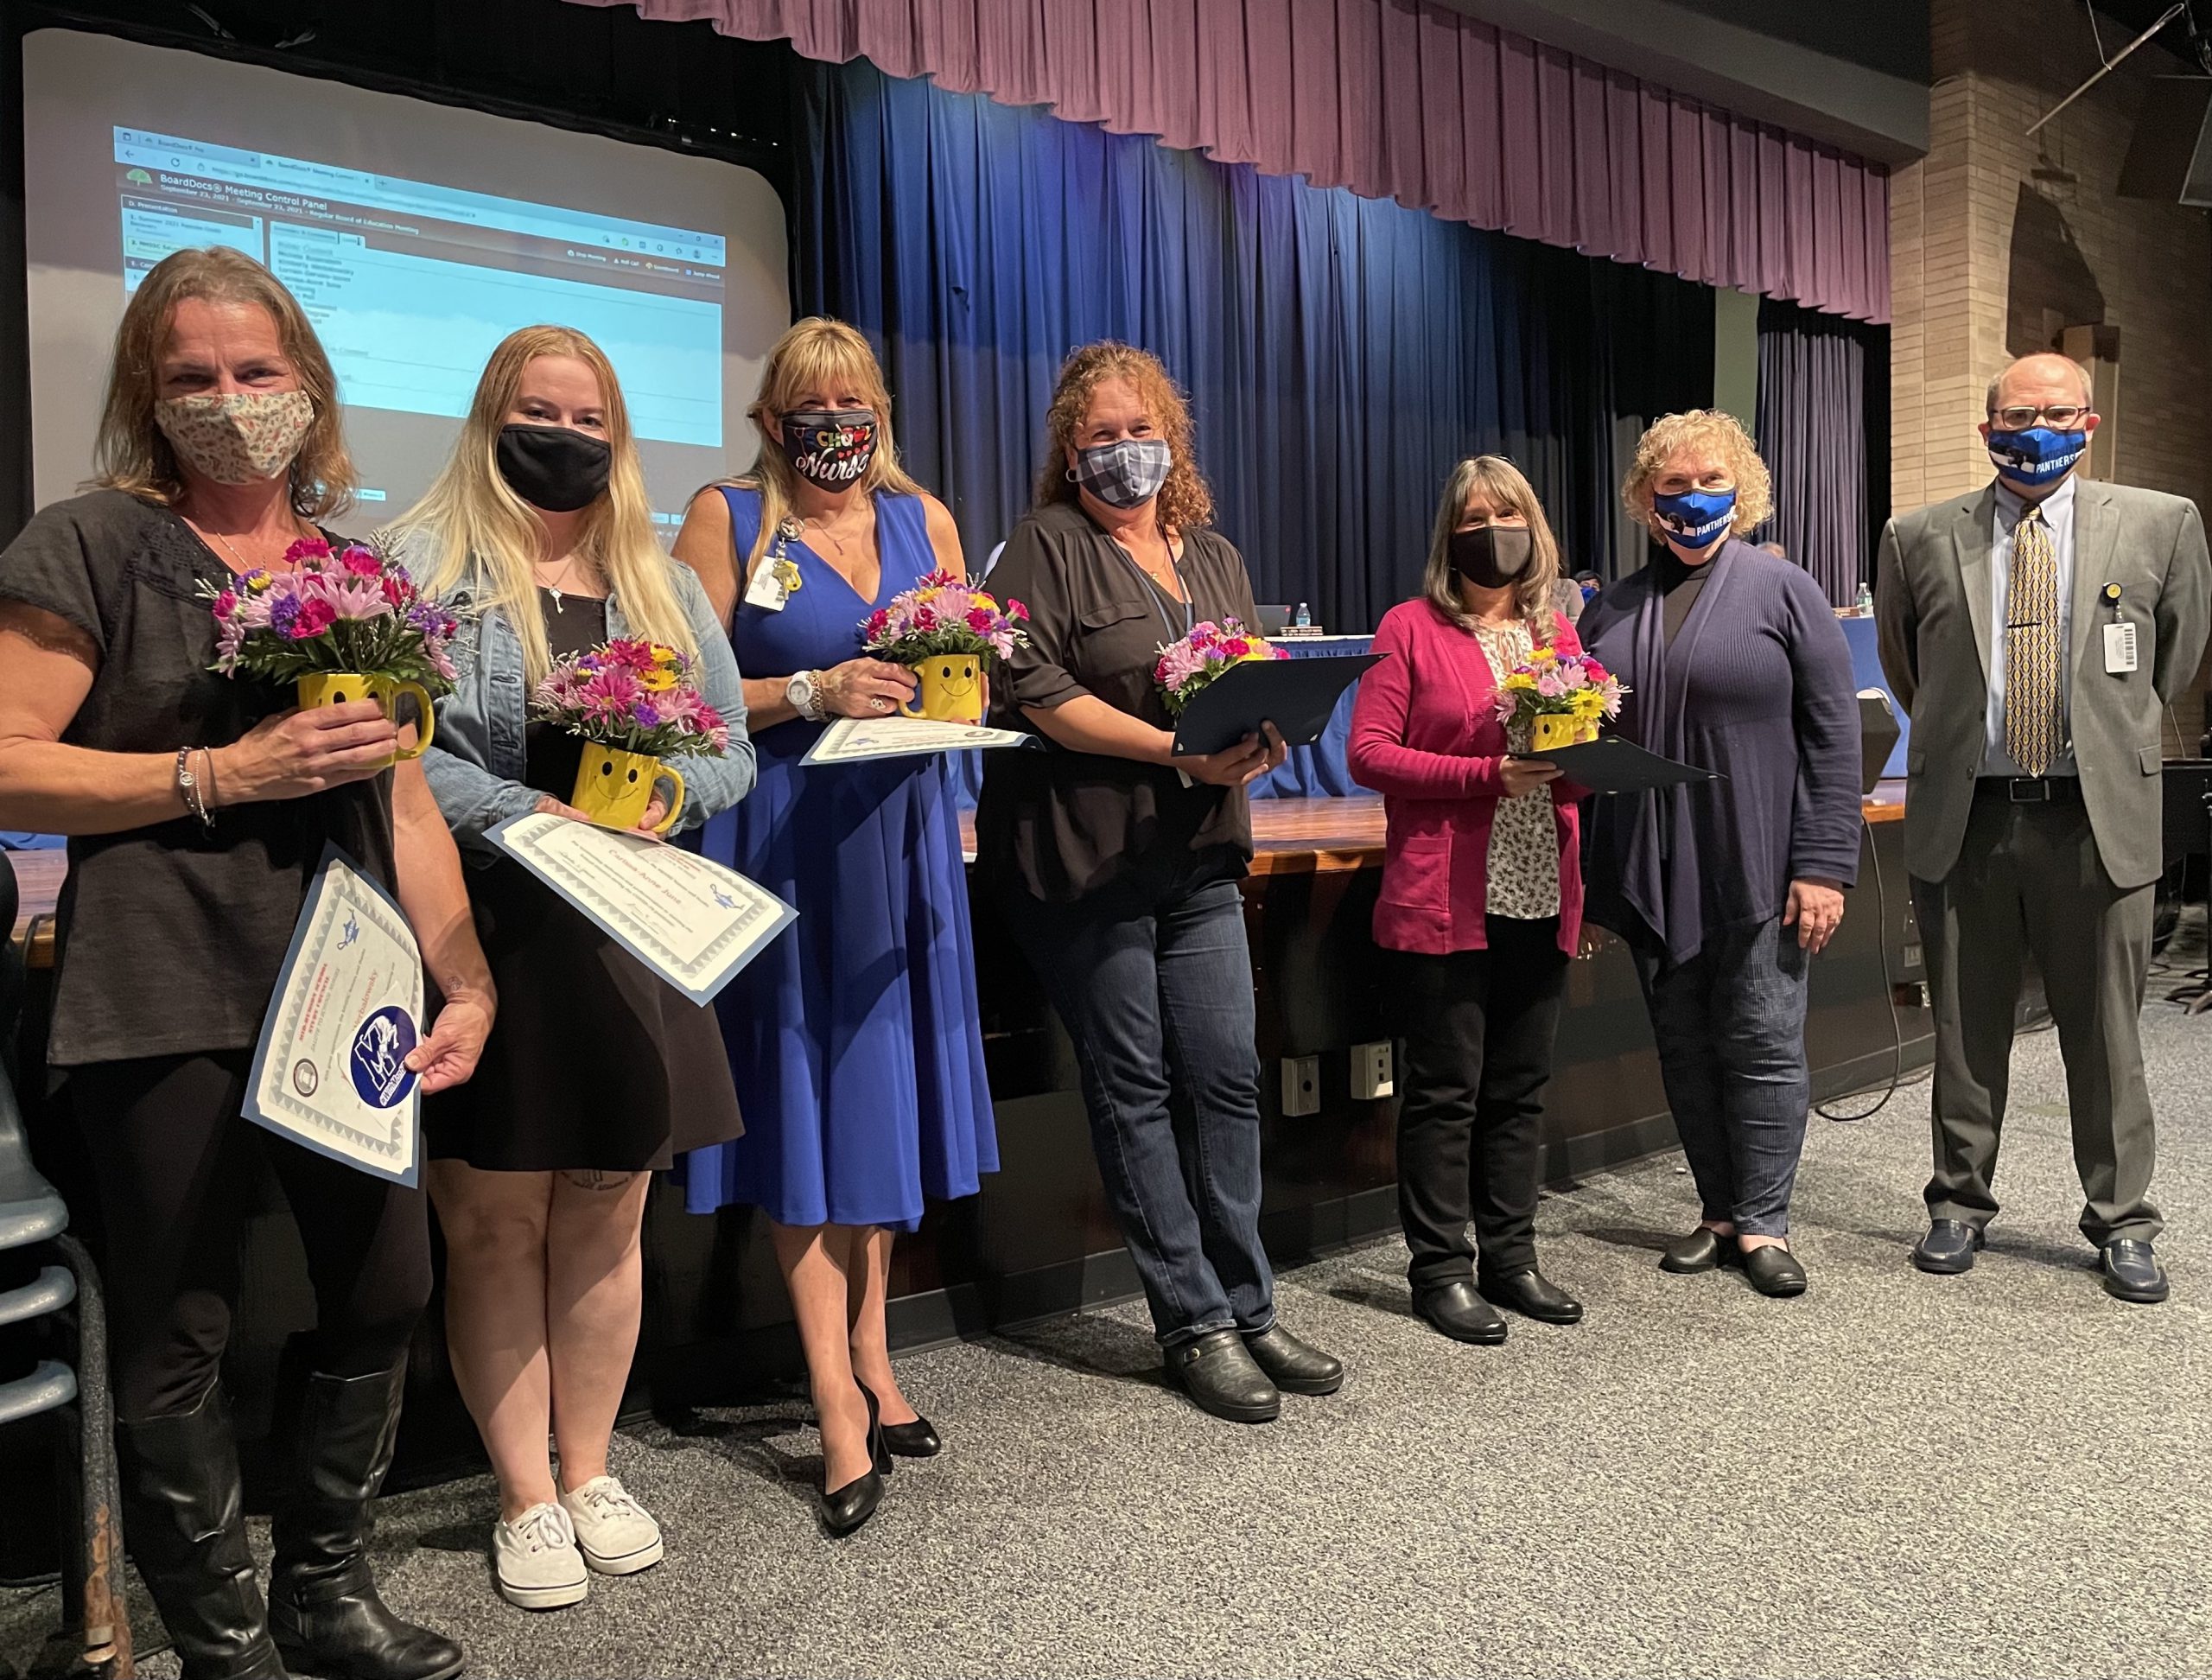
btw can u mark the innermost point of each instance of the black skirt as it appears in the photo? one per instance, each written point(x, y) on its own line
point(595, 1063)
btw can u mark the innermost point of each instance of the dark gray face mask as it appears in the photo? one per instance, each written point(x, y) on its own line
point(1493, 557)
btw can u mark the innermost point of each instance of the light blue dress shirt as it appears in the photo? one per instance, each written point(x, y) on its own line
point(2058, 513)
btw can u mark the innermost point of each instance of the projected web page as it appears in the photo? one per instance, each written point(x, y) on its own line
point(411, 284)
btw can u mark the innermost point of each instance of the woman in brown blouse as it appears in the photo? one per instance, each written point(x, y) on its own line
point(1118, 862)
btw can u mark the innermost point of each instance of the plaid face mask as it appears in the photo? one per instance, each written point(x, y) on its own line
point(1126, 473)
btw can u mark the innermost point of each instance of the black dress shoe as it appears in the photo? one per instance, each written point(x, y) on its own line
point(2132, 1273)
point(1456, 1310)
point(916, 1439)
point(1219, 1374)
point(1292, 1365)
point(1948, 1249)
point(1774, 1270)
point(844, 1509)
point(1532, 1295)
point(1700, 1251)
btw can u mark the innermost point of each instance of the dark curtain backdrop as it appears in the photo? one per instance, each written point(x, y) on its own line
point(1340, 351)
point(1814, 433)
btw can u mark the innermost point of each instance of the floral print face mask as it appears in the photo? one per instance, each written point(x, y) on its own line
point(237, 436)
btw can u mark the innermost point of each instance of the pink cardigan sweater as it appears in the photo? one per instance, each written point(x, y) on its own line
point(1424, 737)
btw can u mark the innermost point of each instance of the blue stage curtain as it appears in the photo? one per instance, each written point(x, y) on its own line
point(1340, 351)
point(1814, 436)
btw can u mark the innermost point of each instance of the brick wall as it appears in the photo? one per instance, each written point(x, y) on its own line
point(1998, 241)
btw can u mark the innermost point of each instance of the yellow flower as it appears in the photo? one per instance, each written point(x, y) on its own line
point(1520, 679)
point(1588, 702)
point(659, 680)
point(664, 655)
point(929, 593)
point(1546, 656)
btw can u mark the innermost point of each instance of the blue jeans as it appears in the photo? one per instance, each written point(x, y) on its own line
point(1157, 995)
point(1731, 1027)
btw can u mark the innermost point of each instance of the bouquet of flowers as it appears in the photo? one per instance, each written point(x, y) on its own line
point(1185, 667)
point(633, 703)
point(952, 634)
point(943, 615)
point(1555, 699)
point(637, 695)
point(354, 611)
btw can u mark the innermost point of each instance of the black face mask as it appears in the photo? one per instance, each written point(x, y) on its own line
point(553, 467)
point(831, 447)
point(1492, 556)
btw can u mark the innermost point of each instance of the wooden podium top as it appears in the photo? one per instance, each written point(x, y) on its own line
point(1289, 836)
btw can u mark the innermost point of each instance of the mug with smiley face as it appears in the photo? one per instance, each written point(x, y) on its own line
point(614, 788)
point(951, 688)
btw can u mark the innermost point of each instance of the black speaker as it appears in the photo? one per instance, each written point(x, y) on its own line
point(2170, 156)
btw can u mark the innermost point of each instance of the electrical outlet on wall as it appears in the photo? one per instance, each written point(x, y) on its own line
point(1371, 1072)
point(1302, 1085)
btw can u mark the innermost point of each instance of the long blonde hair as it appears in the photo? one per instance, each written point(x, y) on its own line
point(1724, 433)
point(1502, 485)
point(473, 522)
point(133, 456)
point(1184, 501)
point(817, 354)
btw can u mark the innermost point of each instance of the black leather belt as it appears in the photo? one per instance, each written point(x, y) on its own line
point(2030, 790)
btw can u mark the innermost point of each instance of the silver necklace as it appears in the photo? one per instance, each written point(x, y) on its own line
point(553, 589)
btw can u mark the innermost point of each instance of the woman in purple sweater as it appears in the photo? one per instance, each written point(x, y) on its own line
point(1725, 890)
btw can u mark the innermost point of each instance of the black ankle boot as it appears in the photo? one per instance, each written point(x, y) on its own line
point(187, 1533)
point(323, 1607)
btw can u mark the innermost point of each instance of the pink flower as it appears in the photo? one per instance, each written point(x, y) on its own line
point(314, 617)
point(308, 548)
point(361, 562)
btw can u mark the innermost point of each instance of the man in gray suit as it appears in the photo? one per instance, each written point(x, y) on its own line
point(2034, 631)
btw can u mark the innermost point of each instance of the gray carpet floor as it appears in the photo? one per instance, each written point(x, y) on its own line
point(2004, 1474)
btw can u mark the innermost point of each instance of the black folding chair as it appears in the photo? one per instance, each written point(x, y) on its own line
point(64, 1289)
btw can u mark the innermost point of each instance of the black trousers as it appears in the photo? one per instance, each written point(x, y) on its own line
point(176, 1167)
point(1478, 1026)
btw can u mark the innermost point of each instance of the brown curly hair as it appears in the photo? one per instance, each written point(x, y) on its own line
point(1725, 434)
point(1184, 501)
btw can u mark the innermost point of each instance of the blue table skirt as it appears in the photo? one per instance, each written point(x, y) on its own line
point(1314, 771)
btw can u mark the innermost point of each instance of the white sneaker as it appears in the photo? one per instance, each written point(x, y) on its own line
point(616, 1535)
point(536, 1561)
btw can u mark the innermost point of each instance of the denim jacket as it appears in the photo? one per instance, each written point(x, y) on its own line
point(475, 763)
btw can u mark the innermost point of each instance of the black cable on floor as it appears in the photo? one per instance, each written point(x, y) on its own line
point(1828, 1110)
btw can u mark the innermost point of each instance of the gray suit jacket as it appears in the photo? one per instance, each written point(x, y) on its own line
point(1933, 602)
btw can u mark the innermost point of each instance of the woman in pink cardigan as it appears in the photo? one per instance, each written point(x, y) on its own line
point(1481, 901)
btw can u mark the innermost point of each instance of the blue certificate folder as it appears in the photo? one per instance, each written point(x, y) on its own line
point(1296, 695)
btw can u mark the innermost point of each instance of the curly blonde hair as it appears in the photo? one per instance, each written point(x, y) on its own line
point(1502, 485)
point(1725, 435)
point(133, 456)
point(1184, 499)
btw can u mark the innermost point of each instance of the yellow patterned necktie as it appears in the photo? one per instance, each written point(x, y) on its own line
point(2031, 651)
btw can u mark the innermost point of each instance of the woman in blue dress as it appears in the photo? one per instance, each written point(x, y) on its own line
point(854, 1040)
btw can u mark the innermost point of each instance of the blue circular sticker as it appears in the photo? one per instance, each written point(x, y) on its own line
point(379, 1061)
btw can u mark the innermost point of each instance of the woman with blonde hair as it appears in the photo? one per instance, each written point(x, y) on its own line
point(539, 533)
point(1725, 889)
point(1117, 863)
point(198, 808)
point(1481, 900)
point(856, 1039)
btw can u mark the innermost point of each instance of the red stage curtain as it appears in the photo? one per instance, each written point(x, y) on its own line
point(1397, 100)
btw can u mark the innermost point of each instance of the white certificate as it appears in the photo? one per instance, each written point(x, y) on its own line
point(331, 1070)
point(690, 921)
point(849, 739)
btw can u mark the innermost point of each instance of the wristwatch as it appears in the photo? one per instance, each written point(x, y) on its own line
point(805, 693)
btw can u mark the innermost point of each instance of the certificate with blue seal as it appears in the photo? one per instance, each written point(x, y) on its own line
point(330, 1072)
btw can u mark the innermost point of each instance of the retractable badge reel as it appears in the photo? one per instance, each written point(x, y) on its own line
point(2119, 638)
point(778, 578)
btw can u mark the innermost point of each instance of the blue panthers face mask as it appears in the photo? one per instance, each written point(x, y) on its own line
point(2036, 456)
point(1696, 519)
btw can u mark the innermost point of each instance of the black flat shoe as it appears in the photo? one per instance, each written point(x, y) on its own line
point(1457, 1311)
point(1220, 1375)
point(1700, 1251)
point(844, 1509)
point(1532, 1295)
point(916, 1439)
point(1948, 1249)
point(2132, 1273)
point(1292, 1365)
point(1774, 1270)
